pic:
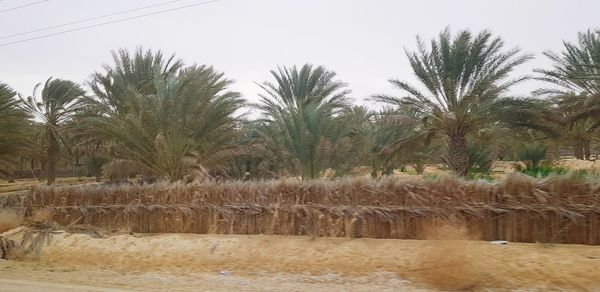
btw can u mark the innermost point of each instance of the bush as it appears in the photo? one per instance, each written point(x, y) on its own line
point(480, 161)
point(94, 166)
point(541, 171)
point(532, 155)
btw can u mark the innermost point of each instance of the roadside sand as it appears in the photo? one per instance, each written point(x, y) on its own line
point(253, 263)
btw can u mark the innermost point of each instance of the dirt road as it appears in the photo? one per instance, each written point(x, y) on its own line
point(8, 285)
point(35, 276)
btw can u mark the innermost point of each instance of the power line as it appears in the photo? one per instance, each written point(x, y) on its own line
point(22, 6)
point(108, 22)
point(88, 19)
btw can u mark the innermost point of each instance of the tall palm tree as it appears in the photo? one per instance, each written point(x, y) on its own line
point(464, 76)
point(179, 120)
point(13, 123)
point(578, 126)
point(53, 104)
point(300, 111)
point(576, 92)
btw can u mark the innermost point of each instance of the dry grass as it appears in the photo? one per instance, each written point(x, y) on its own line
point(389, 191)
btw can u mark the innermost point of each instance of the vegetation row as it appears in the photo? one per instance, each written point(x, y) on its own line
point(151, 115)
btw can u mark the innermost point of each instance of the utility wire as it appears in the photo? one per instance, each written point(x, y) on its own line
point(108, 22)
point(22, 6)
point(87, 19)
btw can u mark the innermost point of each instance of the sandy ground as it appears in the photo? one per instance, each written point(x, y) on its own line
point(188, 262)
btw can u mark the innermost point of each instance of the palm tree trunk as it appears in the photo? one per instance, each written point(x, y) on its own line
point(459, 159)
point(52, 153)
point(420, 167)
point(578, 149)
point(309, 170)
point(586, 150)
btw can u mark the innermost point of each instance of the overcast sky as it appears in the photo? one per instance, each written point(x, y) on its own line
point(363, 41)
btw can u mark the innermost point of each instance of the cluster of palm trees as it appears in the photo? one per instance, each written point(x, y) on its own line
point(151, 115)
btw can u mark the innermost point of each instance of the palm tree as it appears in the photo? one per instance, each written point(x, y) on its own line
point(464, 76)
point(300, 111)
point(13, 123)
point(56, 104)
point(179, 120)
point(398, 139)
point(352, 134)
point(578, 128)
point(576, 77)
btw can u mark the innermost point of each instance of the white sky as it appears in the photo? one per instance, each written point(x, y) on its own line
point(363, 41)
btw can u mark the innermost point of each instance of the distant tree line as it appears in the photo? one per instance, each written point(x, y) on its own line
point(151, 115)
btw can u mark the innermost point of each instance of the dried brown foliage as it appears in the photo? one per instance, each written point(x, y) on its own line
point(560, 209)
point(10, 219)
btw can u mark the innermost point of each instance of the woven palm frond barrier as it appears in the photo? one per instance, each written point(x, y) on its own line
point(563, 209)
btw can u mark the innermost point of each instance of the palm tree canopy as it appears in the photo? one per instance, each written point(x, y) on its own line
point(131, 73)
point(13, 121)
point(58, 101)
point(463, 75)
point(296, 89)
point(8, 107)
point(576, 77)
point(300, 111)
point(576, 69)
point(181, 118)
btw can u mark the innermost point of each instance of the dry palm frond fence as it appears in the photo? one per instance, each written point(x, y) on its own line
point(561, 209)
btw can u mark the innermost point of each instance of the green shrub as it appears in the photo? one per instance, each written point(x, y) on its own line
point(94, 166)
point(480, 161)
point(541, 171)
point(532, 155)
